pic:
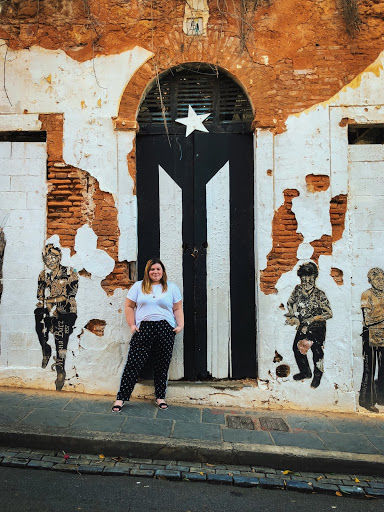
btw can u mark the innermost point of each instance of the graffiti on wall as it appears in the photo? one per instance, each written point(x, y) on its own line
point(372, 305)
point(2, 249)
point(308, 311)
point(56, 309)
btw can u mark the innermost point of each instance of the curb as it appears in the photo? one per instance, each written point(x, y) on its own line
point(150, 447)
point(351, 491)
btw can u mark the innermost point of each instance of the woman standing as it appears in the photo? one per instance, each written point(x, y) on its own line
point(158, 317)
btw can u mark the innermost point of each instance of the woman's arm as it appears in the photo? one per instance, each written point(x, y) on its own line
point(179, 315)
point(129, 310)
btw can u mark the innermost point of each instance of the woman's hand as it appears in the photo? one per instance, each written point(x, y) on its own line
point(134, 328)
point(179, 316)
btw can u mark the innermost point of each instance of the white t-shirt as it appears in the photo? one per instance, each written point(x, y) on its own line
point(154, 306)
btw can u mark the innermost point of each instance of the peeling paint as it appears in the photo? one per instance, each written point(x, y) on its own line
point(337, 275)
point(285, 242)
point(317, 182)
point(92, 158)
point(337, 211)
point(96, 326)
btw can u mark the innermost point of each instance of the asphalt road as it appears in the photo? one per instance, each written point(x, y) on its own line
point(27, 490)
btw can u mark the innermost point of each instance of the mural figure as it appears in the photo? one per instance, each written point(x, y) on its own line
point(56, 309)
point(308, 310)
point(2, 249)
point(372, 305)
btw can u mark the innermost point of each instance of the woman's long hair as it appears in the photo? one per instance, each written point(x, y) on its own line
point(146, 285)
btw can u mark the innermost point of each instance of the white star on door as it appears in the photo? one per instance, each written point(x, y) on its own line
point(193, 121)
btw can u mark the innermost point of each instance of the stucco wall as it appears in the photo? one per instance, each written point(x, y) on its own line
point(315, 142)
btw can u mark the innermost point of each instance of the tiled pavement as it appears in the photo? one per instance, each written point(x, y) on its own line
point(53, 415)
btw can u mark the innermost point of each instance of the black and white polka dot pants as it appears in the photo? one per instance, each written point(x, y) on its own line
point(153, 338)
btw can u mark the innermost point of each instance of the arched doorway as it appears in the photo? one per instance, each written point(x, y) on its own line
point(195, 211)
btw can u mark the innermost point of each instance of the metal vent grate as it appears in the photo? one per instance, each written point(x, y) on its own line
point(274, 424)
point(240, 422)
point(207, 90)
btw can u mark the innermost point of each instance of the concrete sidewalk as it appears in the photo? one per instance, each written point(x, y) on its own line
point(295, 440)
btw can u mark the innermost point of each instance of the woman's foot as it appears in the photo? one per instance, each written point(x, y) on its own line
point(161, 404)
point(117, 406)
point(370, 407)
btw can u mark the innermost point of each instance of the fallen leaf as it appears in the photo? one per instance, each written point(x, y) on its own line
point(357, 480)
point(99, 102)
point(207, 464)
point(101, 456)
point(319, 478)
point(286, 472)
point(201, 473)
point(338, 493)
point(49, 78)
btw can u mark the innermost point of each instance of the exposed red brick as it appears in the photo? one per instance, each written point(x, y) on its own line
point(96, 326)
point(337, 211)
point(317, 182)
point(85, 273)
point(327, 58)
point(131, 161)
point(285, 242)
point(345, 121)
point(337, 275)
point(74, 198)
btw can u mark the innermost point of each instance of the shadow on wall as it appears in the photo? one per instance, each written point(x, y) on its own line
point(2, 250)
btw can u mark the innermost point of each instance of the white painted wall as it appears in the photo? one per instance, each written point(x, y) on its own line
point(23, 218)
point(43, 81)
point(315, 143)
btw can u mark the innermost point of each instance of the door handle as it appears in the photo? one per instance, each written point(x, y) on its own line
point(195, 253)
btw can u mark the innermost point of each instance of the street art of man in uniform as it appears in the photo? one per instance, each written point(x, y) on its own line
point(308, 310)
point(56, 310)
point(372, 305)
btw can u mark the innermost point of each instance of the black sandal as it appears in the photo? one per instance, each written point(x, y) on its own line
point(162, 405)
point(117, 408)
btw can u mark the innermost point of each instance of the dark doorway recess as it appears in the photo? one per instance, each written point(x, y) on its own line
point(192, 162)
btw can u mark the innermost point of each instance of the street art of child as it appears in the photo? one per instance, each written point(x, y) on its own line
point(308, 311)
point(372, 305)
point(56, 309)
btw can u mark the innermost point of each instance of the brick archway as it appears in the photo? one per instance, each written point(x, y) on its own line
point(238, 66)
point(224, 54)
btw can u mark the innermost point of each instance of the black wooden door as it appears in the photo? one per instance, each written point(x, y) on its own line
point(192, 162)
